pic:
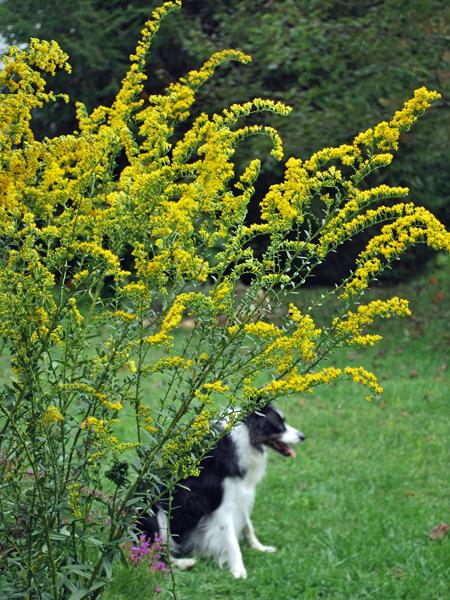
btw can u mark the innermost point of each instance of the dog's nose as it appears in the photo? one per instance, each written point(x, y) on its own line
point(302, 436)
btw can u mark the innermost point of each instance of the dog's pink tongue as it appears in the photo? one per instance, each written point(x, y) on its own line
point(291, 452)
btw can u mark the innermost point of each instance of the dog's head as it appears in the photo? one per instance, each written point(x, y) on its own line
point(267, 427)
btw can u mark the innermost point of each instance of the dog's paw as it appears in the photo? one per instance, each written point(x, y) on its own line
point(184, 564)
point(262, 548)
point(239, 572)
point(269, 549)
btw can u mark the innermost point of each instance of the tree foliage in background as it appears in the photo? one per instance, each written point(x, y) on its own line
point(341, 65)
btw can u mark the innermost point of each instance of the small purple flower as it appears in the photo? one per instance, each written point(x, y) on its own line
point(144, 548)
point(157, 542)
point(159, 565)
point(145, 545)
point(139, 550)
point(157, 589)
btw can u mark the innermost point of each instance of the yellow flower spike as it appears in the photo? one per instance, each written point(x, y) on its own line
point(52, 415)
point(364, 377)
point(124, 316)
point(107, 403)
point(351, 326)
point(73, 499)
point(74, 312)
point(416, 225)
point(384, 138)
point(96, 251)
point(344, 153)
point(348, 222)
point(220, 294)
point(197, 78)
point(265, 331)
point(284, 351)
point(172, 362)
point(216, 386)
point(131, 364)
point(295, 382)
point(98, 426)
point(136, 291)
point(414, 108)
point(234, 112)
point(172, 318)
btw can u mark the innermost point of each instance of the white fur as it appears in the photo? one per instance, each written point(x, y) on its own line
point(291, 435)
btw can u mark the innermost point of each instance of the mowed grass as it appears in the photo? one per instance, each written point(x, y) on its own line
point(352, 515)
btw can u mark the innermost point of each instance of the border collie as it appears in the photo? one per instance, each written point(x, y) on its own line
point(210, 513)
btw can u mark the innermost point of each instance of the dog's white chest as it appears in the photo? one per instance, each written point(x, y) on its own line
point(237, 503)
point(239, 492)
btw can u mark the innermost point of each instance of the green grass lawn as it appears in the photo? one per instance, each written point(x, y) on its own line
point(351, 517)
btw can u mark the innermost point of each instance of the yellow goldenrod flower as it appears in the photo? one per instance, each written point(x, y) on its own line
point(52, 415)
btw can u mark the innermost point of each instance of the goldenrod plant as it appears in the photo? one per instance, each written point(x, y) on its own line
point(114, 234)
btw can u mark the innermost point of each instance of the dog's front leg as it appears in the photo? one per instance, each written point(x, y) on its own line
point(252, 540)
point(233, 554)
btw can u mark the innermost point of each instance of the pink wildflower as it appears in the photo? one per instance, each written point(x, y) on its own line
point(139, 550)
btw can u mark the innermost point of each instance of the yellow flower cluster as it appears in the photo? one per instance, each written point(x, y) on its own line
point(295, 382)
point(380, 140)
point(124, 316)
point(216, 386)
point(221, 294)
point(364, 377)
point(21, 77)
point(172, 362)
point(283, 353)
point(178, 452)
point(73, 499)
point(96, 251)
point(172, 318)
point(90, 390)
point(74, 312)
point(107, 403)
point(347, 223)
point(127, 99)
point(416, 225)
point(98, 426)
point(144, 415)
point(260, 329)
point(103, 440)
point(351, 326)
point(414, 108)
point(285, 201)
point(52, 415)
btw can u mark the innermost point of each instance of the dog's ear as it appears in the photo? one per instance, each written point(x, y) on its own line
point(260, 410)
point(265, 406)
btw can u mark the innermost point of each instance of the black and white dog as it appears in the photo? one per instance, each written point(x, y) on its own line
point(211, 512)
